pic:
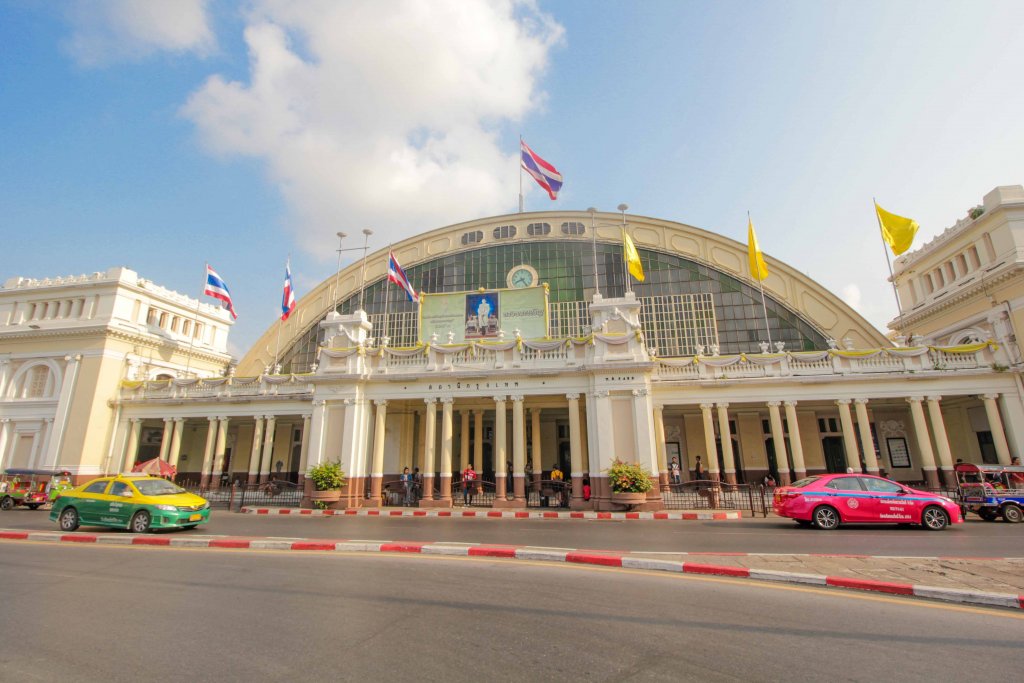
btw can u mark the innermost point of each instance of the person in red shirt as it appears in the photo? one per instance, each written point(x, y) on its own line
point(468, 482)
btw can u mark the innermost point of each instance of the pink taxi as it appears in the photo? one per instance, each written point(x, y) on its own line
point(828, 500)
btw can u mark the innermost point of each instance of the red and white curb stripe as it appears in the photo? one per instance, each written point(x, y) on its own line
point(495, 514)
point(589, 557)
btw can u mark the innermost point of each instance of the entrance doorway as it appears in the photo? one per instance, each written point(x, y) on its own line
point(835, 454)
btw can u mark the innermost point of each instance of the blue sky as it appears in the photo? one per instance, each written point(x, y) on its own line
point(163, 135)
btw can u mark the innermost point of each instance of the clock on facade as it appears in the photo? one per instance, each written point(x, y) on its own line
point(522, 276)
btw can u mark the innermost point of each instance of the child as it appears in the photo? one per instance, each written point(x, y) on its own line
point(586, 489)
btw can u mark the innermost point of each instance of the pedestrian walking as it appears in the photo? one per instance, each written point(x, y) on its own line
point(407, 488)
point(468, 484)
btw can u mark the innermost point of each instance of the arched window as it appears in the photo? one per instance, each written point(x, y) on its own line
point(37, 383)
point(573, 228)
point(535, 229)
point(472, 237)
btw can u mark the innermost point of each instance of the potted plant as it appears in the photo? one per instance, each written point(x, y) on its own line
point(629, 482)
point(328, 479)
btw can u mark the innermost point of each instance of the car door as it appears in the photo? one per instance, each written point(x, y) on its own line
point(89, 502)
point(849, 497)
point(885, 501)
point(120, 505)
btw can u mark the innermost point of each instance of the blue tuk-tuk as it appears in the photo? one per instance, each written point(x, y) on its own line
point(992, 491)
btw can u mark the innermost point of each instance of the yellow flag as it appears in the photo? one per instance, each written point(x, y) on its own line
point(897, 231)
point(632, 257)
point(758, 269)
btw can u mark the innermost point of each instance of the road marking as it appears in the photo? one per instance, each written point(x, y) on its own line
point(908, 601)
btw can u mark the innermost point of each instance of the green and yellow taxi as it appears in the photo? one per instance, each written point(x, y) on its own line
point(137, 502)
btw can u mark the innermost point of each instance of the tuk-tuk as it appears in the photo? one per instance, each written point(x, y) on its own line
point(32, 488)
point(992, 491)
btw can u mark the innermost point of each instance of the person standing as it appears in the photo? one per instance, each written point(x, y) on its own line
point(698, 469)
point(673, 469)
point(468, 483)
point(417, 484)
point(407, 486)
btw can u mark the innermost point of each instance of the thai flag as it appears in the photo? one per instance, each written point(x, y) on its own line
point(218, 289)
point(544, 173)
point(397, 275)
point(288, 300)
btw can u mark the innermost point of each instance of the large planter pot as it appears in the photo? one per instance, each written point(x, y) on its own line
point(326, 497)
point(628, 499)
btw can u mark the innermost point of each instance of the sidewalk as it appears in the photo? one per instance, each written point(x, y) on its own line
point(973, 581)
point(706, 515)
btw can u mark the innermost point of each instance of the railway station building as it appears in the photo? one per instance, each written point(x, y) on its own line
point(530, 350)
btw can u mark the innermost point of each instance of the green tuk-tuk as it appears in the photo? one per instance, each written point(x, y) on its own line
point(32, 488)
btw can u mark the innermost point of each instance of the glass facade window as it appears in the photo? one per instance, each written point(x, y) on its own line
point(472, 237)
point(573, 228)
point(536, 229)
point(677, 292)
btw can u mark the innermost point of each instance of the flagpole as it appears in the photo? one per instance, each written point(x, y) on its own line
point(280, 320)
point(387, 294)
point(888, 261)
point(192, 333)
point(760, 285)
point(520, 174)
point(625, 264)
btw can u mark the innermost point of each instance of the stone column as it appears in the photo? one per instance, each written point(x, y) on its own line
point(478, 442)
point(941, 442)
point(267, 461)
point(799, 469)
point(518, 450)
point(377, 462)
point(429, 437)
point(5, 428)
point(536, 461)
point(779, 441)
point(219, 451)
point(659, 444)
point(725, 436)
point(711, 464)
point(168, 436)
point(132, 448)
point(575, 452)
point(446, 450)
point(304, 445)
point(924, 442)
point(866, 442)
point(463, 440)
point(175, 452)
point(211, 439)
point(995, 425)
point(849, 440)
point(255, 450)
point(5, 375)
point(499, 448)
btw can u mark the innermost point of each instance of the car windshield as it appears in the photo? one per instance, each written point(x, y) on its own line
point(157, 487)
point(804, 482)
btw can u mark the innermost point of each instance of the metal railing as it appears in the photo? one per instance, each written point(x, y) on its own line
point(548, 493)
point(718, 495)
point(274, 493)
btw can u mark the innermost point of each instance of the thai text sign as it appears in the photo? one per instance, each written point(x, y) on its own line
point(472, 316)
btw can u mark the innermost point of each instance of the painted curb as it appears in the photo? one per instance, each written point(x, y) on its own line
point(569, 555)
point(498, 514)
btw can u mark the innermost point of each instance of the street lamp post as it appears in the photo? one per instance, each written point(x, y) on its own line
point(593, 240)
point(337, 276)
point(362, 278)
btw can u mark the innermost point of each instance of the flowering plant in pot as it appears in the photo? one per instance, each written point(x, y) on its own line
point(629, 482)
point(328, 479)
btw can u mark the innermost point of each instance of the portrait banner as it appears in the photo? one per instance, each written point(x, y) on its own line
point(489, 315)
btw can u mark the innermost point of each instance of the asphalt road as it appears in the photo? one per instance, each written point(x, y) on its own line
point(974, 538)
point(87, 613)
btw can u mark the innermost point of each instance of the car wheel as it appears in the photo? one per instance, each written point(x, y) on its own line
point(1012, 513)
point(68, 519)
point(7, 503)
point(934, 518)
point(140, 522)
point(826, 517)
point(988, 514)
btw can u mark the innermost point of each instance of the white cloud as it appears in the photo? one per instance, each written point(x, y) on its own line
point(384, 115)
point(851, 295)
point(107, 31)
